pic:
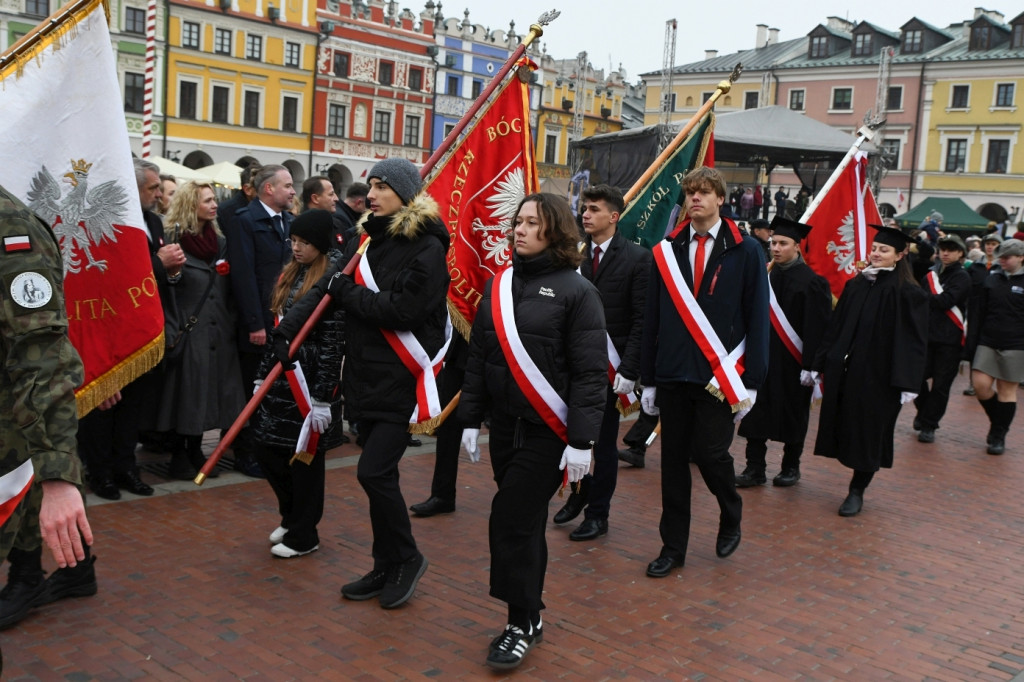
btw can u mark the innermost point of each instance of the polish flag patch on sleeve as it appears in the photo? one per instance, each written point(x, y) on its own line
point(18, 243)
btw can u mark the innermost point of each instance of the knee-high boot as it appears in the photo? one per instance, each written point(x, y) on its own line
point(1001, 417)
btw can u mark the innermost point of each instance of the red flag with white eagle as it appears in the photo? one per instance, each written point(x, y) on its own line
point(61, 106)
point(838, 245)
point(478, 189)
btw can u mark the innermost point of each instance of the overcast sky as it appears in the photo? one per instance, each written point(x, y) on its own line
point(633, 31)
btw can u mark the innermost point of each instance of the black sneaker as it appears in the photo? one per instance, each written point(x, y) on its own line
point(926, 435)
point(401, 582)
point(512, 646)
point(77, 581)
point(634, 457)
point(538, 636)
point(750, 478)
point(367, 587)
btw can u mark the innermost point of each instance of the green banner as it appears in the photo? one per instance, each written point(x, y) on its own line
point(646, 217)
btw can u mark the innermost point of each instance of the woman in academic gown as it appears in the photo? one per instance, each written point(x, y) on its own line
point(872, 360)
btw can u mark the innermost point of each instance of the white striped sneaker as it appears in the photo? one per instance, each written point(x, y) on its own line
point(510, 649)
point(278, 535)
point(283, 551)
point(537, 632)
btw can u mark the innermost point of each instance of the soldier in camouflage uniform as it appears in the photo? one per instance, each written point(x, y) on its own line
point(40, 370)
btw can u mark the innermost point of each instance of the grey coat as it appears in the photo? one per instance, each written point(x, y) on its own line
point(203, 389)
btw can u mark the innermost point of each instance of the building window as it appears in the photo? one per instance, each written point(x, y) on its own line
point(135, 20)
point(134, 87)
point(895, 100)
point(336, 120)
point(862, 45)
point(254, 47)
point(750, 99)
point(416, 79)
point(412, 131)
point(1004, 95)
point(912, 41)
point(387, 73)
point(187, 99)
point(892, 153)
point(341, 64)
point(222, 41)
point(998, 156)
point(672, 103)
point(819, 46)
point(961, 97)
point(448, 128)
point(37, 8)
point(251, 110)
point(292, 52)
point(704, 97)
point(1017, 41)
point(842, 99)
point(290, 114)
point(980, 36)
point(219, 113)
point(956, 155)
point(551, 148)
point(478, 87)
point(190, 34)
point(382, 126)
point(453, 85)
point(796, 100)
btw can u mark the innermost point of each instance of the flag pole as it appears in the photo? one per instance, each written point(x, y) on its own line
point(722, 88)
point(536, 31)
point(54, 23)
point(865, 133)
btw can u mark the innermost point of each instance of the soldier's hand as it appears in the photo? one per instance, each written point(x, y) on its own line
point(62, 522)
point(110, 402)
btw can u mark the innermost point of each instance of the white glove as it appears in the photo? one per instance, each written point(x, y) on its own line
point(321, 413)
point(906, 397)
point(622, 385)
point(577, 461)
point(752, 394)
point(647, 401)
point(256, 385)
point(807, 378)
point(469, 438)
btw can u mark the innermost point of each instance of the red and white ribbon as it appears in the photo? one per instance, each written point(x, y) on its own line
point(308, 438)
point(954, 313)
point(14, 486)
point(626, 400)
point(780, 323)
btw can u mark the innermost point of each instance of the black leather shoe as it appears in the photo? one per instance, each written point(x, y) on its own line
point(16, 599)
point(786, 478)
point(852, 505)
point(105, 488)
point(926, 435)
point(571, 509)
point(634, 457)
point(662, 566)
point(131, 482)
point(917, 424)
point(589, 530)
point(433, 506)
point(750, 478)
point(414, 442)
point(727, 542)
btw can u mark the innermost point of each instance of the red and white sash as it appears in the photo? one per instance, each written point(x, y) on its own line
point(534, 385)
point(780, 323)
point(626, 402)
point(413, 355)
point(308, 438)
point(14, 486)
point(953, 313)
point(726, 367)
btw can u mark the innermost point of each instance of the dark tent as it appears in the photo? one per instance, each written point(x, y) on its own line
point(956, 215)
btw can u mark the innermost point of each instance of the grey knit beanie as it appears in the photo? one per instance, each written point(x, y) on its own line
point(400, 175)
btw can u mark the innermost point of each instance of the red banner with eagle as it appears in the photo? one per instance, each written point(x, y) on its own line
point(70, 161)
point(478, 189)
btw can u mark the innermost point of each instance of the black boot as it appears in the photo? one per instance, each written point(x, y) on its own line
point(76, 581)
point(634, 456)
point(1002, 417)
point(990, 405)
point(576, 502)
point(181, 469)
point(25, 584)
point(194, 452)
point(853, 503)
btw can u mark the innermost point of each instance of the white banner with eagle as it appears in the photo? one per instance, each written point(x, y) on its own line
point(65, 153)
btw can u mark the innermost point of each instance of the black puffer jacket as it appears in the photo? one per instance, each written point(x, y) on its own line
point(561, 323)
point(407, 258)
point(278, 421)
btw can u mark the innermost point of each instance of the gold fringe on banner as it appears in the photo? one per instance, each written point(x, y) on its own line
point(61, 25)
point(427, 427)
point(88, 397)
point(460, 323)
point(626, 411)
point(304, 457)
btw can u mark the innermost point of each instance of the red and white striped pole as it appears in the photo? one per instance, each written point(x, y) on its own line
point(147, 96)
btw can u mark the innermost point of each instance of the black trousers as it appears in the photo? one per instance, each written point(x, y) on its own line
point(694, 426)
point(757, 450)
point(525, 460)
point(942, 364)
point(606, 463)
point(299, 488)
point(449, 438)
point(107, 438)
point(640, 431)
point(377, 472)
point(246, 444)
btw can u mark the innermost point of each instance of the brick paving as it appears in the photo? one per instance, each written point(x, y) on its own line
point(924, 585)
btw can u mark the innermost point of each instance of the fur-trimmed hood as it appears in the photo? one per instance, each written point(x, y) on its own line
point(412, 220)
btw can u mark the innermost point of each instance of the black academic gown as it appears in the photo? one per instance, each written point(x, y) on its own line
point(782, 407)
point(874, 349)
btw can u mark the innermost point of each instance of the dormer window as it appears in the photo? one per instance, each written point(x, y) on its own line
point(819, 46)
point(1017, 41)
point(981, 36)
point(912, 41)
point(862, 45)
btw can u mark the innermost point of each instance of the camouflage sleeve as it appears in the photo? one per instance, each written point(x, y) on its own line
point(40, 367)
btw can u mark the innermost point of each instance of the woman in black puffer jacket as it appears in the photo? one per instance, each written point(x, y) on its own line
point(294, 469)
point(559, 319)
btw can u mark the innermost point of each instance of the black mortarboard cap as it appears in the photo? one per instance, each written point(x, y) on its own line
point(890, 236)
point(785, 227)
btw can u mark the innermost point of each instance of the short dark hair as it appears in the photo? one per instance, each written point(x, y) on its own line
point(704, 178)
point(558, 226)
point(606, 193)
point(313, 185)
point(266, 174)
point(357, 189)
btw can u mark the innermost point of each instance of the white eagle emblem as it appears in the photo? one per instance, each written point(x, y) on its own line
point(502, 205)
point(843, 250)
point(81, 218)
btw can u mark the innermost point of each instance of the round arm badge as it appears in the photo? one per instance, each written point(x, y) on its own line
point(31, 290)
